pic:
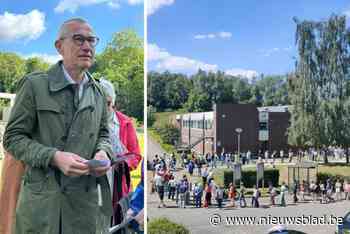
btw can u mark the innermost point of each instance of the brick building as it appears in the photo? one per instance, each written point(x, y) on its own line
point(263, 128)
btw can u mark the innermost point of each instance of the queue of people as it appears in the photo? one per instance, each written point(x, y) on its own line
point(206, 193)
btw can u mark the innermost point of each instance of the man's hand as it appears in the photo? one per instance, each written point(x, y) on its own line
point(70, 164)
point(100, 171)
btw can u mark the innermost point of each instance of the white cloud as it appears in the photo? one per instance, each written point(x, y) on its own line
point(73, 5)
point(18, 26)
point(200, 36)
point(213, 35)
point(347, 13)
point(155, 53)
point(249, 74)
point(225, 34)
point(166, 61)
point(154, 5)
point(114, 5)
point(269, 52)
point(50, 58)
point(175, 63)
point(135, 2)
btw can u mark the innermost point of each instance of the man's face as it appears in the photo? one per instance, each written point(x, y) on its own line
point(77, 47)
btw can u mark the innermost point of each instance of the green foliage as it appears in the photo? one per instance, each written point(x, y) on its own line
point(12, 69)
point(169, 133)
point(36, 64)
point(165, 226)
point(122, 63)
point(322, 177)
point(167, 91)
point(249, 177)
point(150, 116)
point(319, 89)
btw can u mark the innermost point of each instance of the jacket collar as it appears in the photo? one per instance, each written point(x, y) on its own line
point(57, 80)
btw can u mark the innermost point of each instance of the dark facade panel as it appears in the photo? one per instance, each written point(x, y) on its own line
point(233, 116)
point(278, 125)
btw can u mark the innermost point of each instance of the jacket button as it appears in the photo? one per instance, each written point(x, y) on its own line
point(63, 190)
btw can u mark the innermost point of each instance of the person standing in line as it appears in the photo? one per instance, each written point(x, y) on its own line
point(255, 197)
point(124, 140)
point(346, 188)
point(284, 191)
point(232, 194)
point(198, 192)
point(183, 188)
point(313, 190)
point(272, 193)
point(295, 191)
point(338, 195)
point(58, 123)
point(219, 196)
point(159, 183)
point(242, 201)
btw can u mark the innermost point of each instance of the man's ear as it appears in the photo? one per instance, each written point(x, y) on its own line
point(58, 45)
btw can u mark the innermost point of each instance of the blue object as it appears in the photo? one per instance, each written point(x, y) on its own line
point(136, 205)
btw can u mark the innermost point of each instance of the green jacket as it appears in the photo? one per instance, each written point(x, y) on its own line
point(37, 128)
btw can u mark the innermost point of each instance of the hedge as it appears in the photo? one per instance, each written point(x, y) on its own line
point(324, 176)
point(249, 177)
point(165, 226)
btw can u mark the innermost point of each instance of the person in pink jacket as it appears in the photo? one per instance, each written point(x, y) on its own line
point(124, 140)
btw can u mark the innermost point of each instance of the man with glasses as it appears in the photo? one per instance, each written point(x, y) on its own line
point(58, 124)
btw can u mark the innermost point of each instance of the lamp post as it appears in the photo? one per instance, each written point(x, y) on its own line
point(239, 131)
point(237, 167)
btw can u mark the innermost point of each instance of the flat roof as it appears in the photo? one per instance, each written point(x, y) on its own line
point(274, 108)
point(210, 114)
point(197, 116)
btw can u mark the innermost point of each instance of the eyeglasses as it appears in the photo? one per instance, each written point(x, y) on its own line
point(79, 40)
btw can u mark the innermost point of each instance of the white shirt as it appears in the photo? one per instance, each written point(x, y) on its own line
point(70, 80)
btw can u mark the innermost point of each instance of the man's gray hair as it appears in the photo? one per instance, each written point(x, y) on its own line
point(64, 29)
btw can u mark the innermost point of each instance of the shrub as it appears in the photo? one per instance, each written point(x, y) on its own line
point(151, 118)
point(322, 177)
point(249, 177)
point(165, 226)
point(169, 133)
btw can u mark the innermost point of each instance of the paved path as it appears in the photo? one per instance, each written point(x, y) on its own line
point(153, 148)
point(197, 219)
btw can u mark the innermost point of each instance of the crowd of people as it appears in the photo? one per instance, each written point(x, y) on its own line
point(199, 189)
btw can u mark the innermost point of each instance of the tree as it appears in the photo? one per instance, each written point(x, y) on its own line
point(36, 64)
point(318, 90)
point(12, 69)
point(122, 63)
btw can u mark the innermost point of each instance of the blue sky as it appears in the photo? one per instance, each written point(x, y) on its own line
point(239, 37)
point(30, 27)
